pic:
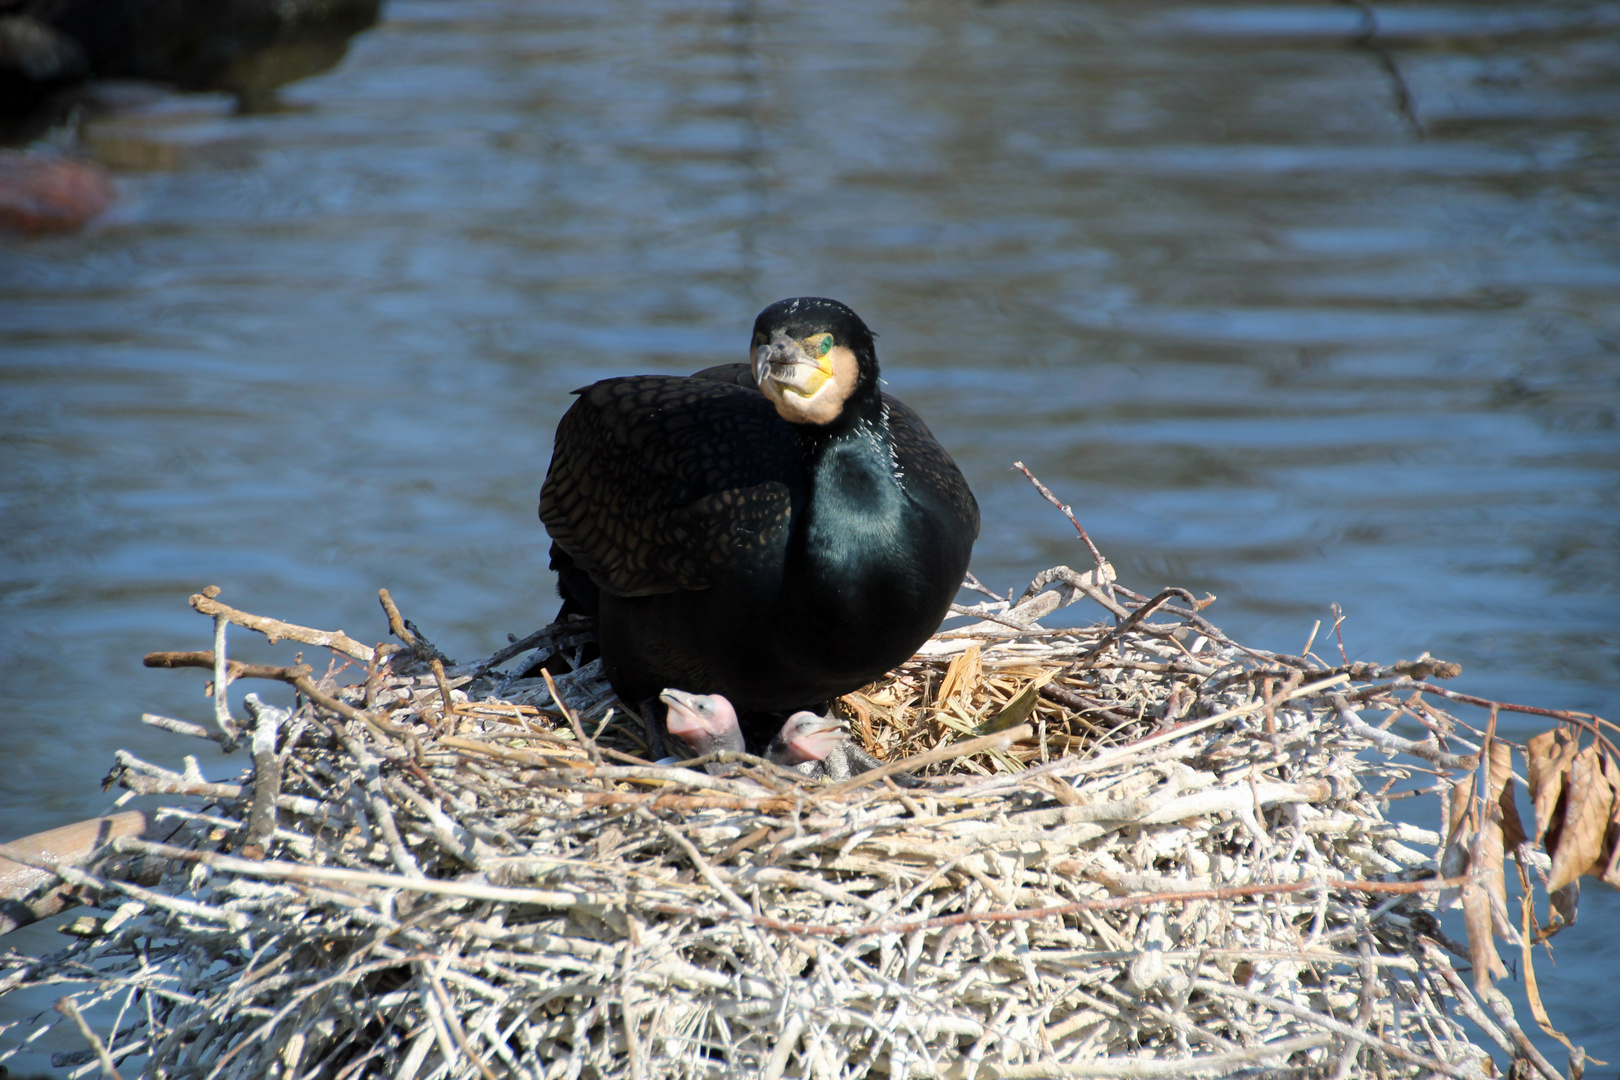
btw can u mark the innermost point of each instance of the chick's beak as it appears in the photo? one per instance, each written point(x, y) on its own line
point(683, 718)
point(814, 739)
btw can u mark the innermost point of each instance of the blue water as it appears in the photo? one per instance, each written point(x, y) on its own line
point(1274, 336)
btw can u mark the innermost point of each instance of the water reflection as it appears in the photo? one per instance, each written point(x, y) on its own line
point(1192, 265)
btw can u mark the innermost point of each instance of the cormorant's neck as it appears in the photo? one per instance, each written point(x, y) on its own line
point(863, 415)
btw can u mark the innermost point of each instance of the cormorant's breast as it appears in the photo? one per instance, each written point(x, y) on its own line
point(882, 547)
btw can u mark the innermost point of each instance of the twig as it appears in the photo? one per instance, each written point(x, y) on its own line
point(556, 635)
point(181, 727)
point(454, 1024)
point(266, 774)
point(1405, 102)
point(275, 629)
point(1225, 1064)
point(1589, 721)
point(1108, 903)
point(994, 616)
point(1046, 493)
point(1187, 728)
point(299, 872)
point(699, 863)
point(1428, 749)
point(296, 676)
point(234, 669)
point(1338, 631)
point(588, 745)
point(1133, 620)
point(447, 705)
point(998, 741)
point(347, 711)
point(396, 622)
point(71, 1009)
point(222, 708)
point(1394, 1050)
point(971, 582)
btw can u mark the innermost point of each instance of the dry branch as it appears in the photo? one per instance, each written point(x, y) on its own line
point(276, 630)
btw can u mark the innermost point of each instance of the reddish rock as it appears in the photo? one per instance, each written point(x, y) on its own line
point(43, 194)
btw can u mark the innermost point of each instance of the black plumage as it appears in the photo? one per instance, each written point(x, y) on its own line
point(780, 533)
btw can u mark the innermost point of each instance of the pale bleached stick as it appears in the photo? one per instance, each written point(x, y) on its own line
point(71, 1009)
point(275, 629)
point(300, 872)
point(1139, 1069)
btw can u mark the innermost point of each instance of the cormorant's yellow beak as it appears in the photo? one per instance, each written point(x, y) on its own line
point(785, 366)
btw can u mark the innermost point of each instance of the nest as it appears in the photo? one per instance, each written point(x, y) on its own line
point(1137, 849)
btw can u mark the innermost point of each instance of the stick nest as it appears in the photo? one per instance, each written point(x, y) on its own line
point(1168, 856)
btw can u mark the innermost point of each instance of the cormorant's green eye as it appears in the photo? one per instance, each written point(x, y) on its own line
point(826, 344)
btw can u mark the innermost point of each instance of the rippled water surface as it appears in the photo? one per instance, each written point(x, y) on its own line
point(1287, 318)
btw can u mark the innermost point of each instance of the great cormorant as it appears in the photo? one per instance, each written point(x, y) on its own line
point(780, 532)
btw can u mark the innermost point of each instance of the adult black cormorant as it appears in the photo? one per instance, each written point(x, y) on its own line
point(779, 532)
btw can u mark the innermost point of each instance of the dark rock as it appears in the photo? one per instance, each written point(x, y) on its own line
point(246, 47)
point(36, 60)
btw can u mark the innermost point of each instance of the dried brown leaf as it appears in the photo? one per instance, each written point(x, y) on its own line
point(1588, 809)
point(1489, 855)
point(1609, 857)
point(1611, 873)
point(1460, 826)
point(1500, 779)
point(1488, 966)
point(1527, 938)
point(1476, 848)
point(1562, 903)
point(1547, 759)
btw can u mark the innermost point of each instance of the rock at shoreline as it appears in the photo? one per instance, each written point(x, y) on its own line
point(46, 194)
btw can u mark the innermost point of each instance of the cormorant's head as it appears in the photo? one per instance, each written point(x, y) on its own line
point(810, 356)
point(704, 722)
point(806, 737)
